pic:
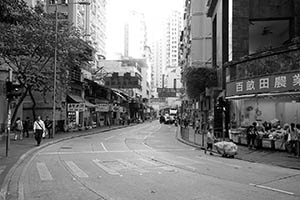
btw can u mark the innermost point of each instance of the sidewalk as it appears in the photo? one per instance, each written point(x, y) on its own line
point(265, 156)
point(19, 150)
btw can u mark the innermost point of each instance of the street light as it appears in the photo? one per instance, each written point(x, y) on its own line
point(55, 58)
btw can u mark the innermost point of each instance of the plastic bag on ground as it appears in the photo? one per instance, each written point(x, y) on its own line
point(226, 148)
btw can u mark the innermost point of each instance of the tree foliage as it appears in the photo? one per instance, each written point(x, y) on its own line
point(28, 43)
point(197, 79)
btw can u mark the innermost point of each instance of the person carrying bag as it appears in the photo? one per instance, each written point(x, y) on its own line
point(38, 129)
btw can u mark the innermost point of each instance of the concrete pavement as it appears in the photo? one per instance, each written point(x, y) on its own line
point(265, 156)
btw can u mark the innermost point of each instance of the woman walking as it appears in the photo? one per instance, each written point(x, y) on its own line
point(19, 129)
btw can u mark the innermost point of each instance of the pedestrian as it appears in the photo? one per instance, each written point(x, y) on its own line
point(285, 137)
point(298, 140)
point(19, 129)
point(210, 138)
point(197, 126)
point(38, 130)
point(251, 135)
point(48, 125)
point(293, 137)
point(26, 127)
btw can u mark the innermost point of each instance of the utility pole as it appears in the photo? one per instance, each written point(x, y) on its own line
point(9, 81)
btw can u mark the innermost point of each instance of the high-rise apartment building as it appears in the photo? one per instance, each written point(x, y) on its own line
point(135, 35)
point(196, 37)
point(172, 37)
point(90, 19)
point(158, 64)
point(166, 49)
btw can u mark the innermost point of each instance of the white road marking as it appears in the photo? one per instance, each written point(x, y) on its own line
point(147, 146)
point(21, 192)
point(108, 138)
point(272, 189)
point(76, 170)
point(152, 163)
point(132, 166)
point(105, 149)
point(120, 151)
point(43, 171)
point(2, 168)
point(106, 169)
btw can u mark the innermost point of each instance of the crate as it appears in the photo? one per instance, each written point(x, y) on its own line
point(236, 138)
point(243, 140)
point(278, 143)
point(267, 143)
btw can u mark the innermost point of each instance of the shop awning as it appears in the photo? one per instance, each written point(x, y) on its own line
point(76, 99)
point(89, 104)
point(120, 95)
point(263, 95)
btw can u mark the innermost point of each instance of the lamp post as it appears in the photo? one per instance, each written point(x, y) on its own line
point(55, 60)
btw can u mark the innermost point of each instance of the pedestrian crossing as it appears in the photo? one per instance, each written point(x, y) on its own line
point(116, 167)
point(123, 167)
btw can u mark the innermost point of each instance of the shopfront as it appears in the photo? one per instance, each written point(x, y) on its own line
point(271, 101)
point(102, 111)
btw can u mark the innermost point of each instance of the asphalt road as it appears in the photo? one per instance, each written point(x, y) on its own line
point(145, 162)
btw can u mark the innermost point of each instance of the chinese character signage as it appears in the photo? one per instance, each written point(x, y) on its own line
point(102, 107)
point(273, 83)
point(72, 107)
point(166, 92)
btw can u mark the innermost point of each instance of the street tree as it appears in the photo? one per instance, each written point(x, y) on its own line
point(27, 47)
point(197, 79)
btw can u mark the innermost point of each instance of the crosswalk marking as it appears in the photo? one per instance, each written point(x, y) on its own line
point(105, 149)
point(106, 169)
point(76, 170)
point(2, 168)
point(43, 171)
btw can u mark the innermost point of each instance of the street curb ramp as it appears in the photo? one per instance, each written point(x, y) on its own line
point(22, 159)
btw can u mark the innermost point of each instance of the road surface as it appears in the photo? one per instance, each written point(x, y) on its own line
point(145, 161)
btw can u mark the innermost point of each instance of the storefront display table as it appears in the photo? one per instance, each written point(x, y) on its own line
point(243, 140)
point(267, 143)
point(278, 144)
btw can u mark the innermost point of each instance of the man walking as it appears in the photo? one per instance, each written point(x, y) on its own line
point(210, 141)
point(26, 127)
point(38, 129)
point(48, 125)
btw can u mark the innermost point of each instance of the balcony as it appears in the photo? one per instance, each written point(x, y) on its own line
point(281, 60)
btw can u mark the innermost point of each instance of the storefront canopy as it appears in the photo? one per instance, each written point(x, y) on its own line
point(76, 99)
point(120, 95)
point(88, 104)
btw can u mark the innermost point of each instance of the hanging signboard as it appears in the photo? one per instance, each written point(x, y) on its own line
point(102, 107)
point(166, 92)
point(273, 83)
point(72, 107)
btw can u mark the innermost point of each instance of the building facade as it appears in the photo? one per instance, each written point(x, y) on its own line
point(256, 44)
point(135, 35)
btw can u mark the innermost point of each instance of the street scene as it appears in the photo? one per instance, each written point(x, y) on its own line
point(149, 99)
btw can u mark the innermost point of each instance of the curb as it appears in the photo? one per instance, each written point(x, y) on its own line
point(4, 187)
point(191, 143)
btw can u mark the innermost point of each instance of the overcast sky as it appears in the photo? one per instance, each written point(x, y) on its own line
point(155, 11)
